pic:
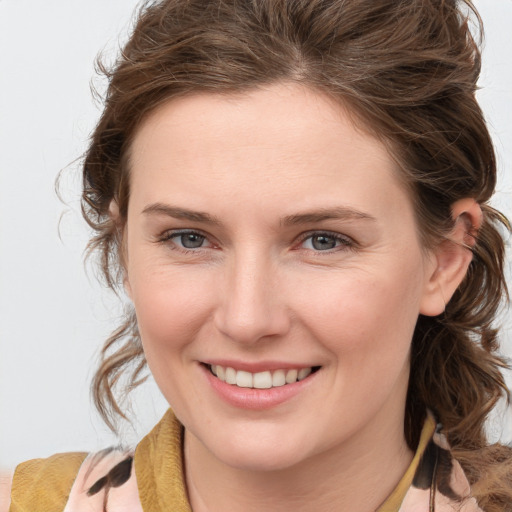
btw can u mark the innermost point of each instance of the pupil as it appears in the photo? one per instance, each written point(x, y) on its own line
point(323, 242)
point(192, 240)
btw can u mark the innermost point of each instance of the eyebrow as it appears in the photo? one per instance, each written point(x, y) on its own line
point(337, 213)
point(180, 213)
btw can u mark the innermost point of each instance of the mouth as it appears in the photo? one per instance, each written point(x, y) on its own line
point(261, 380)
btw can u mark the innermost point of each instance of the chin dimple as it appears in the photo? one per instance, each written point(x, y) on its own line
point(261, 380)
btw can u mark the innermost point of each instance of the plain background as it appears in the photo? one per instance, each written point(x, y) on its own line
point(53, 315)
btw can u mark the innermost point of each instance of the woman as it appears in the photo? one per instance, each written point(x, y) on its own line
point(294, 196)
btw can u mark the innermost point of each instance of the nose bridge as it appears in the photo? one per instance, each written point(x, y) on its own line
point(252, 307)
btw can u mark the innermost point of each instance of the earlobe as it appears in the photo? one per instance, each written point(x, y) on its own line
point(451, 258)
point(113, 211)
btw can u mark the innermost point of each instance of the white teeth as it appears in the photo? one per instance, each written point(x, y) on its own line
point(278, 378)
point(230, 375)
point(303, 373)
point(261, 380)
point(243, 379)
point(291, 376)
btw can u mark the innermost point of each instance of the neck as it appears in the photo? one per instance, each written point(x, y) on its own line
point(356, 475)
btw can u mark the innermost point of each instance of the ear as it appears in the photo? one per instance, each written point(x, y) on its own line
point(126, 283)
point(113, 212)
point(451, 258)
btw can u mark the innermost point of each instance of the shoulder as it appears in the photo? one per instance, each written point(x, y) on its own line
point(73, 482)
point(105, 478)
point(44, 484)
point(78, 482)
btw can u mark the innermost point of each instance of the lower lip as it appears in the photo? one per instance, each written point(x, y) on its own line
point(256, 399)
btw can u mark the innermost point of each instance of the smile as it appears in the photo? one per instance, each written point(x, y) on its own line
point(261, 380)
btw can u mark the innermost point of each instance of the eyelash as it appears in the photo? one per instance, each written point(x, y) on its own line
point(169, 236)
point(343, 242)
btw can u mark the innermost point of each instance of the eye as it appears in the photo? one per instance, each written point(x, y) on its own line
point(325, 242)
point(187, 240)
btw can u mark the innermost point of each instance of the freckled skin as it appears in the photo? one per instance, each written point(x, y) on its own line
point(256, 289)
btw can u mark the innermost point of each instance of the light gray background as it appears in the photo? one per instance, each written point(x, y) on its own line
point(53, 317)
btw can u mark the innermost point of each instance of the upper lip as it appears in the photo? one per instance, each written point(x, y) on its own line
point(260, 366)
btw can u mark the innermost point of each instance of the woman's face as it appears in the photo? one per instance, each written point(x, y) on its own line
point(268, 240)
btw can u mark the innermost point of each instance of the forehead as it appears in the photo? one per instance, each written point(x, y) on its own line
point(284, 142)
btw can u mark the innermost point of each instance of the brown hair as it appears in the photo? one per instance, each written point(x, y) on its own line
point(408, 71)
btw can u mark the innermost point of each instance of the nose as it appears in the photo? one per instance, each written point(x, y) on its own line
point(252, 306)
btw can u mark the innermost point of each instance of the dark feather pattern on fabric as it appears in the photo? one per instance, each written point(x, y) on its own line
point(117, 476)
point(435, 465)
point(444, 471)
point(426, 468)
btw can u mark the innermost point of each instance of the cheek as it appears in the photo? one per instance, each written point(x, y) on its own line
point(171, 308)
point(368, 315)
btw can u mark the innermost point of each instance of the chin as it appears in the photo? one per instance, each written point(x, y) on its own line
point(261, 460)
point(260, 451)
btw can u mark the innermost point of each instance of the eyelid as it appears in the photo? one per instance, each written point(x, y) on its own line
point(348, 243)
point(169, 234)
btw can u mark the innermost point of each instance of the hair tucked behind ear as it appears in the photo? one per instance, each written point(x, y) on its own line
point(407, 71)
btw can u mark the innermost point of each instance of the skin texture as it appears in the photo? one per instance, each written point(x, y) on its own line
point(5, 491)
point(258, 290)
